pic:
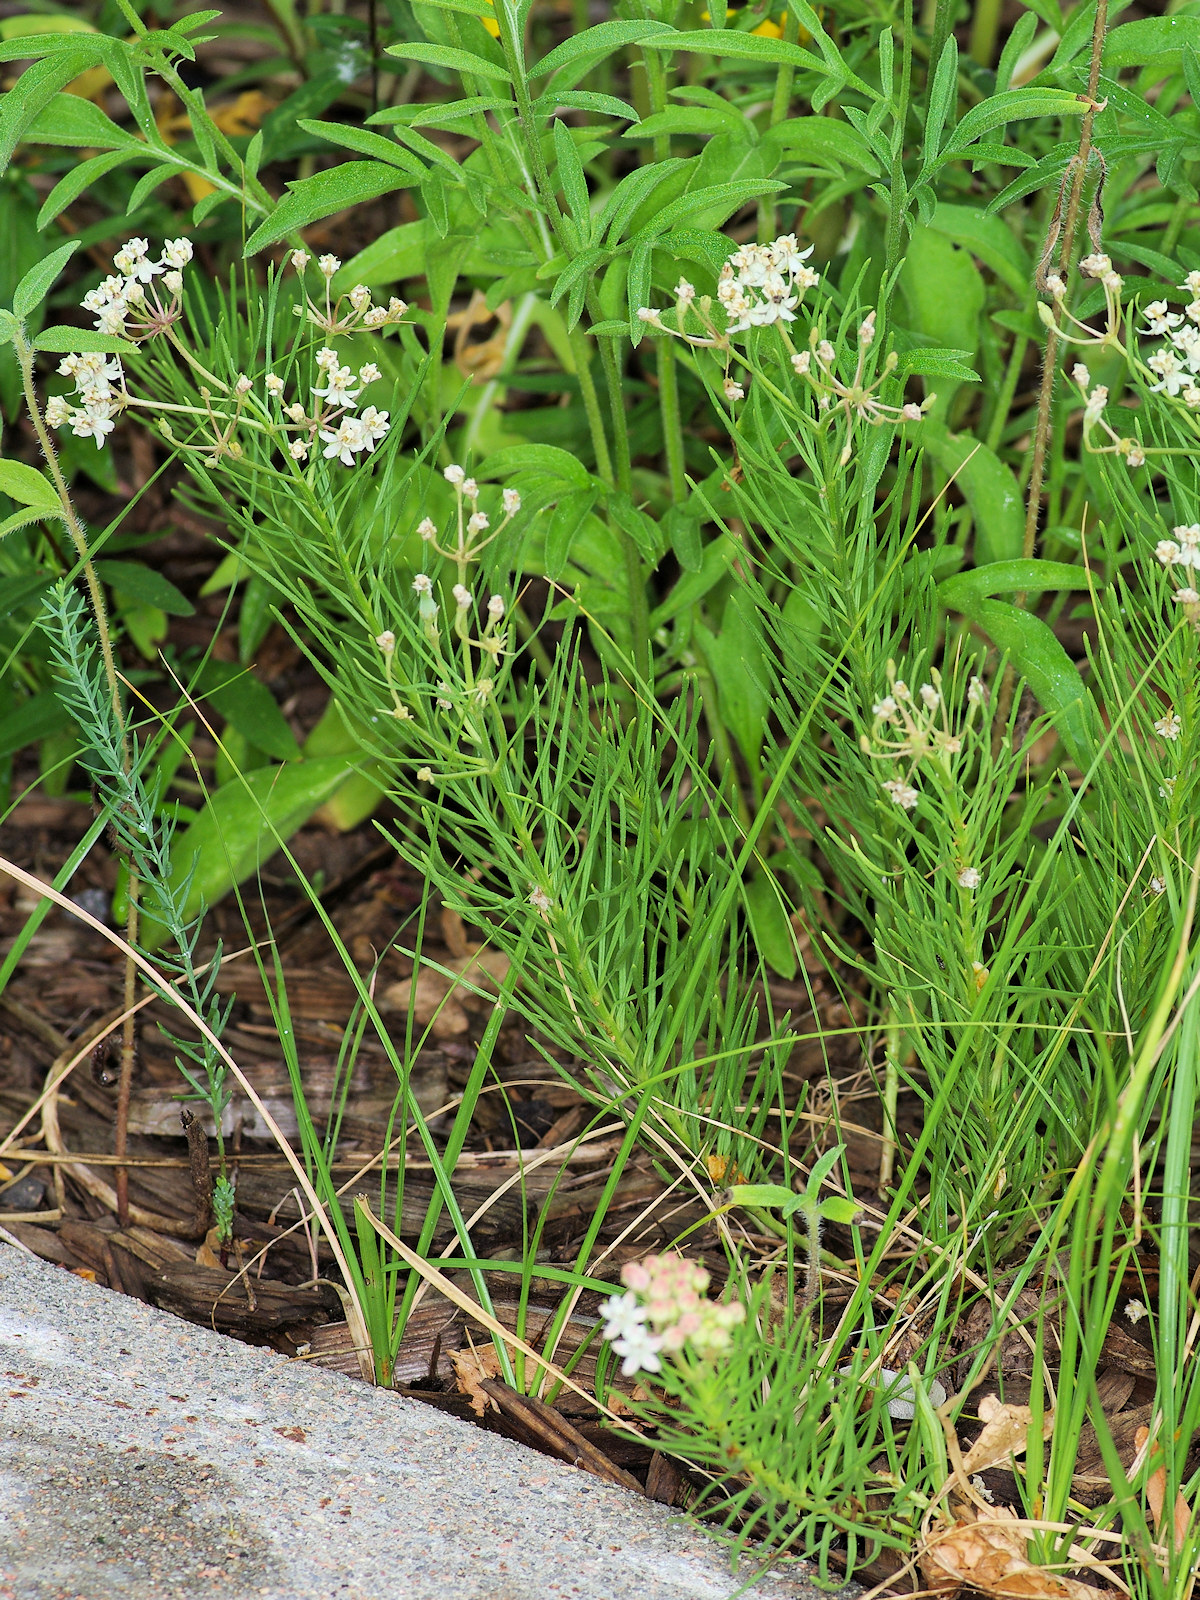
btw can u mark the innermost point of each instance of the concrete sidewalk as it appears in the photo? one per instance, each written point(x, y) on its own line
point(142, 1457)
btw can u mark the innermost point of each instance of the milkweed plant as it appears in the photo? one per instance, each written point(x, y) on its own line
point(821, 753)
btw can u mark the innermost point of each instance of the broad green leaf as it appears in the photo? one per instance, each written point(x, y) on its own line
point(643, 529)
point(249, 707)
point(772, 1195)
point(310, 199)
point(34, 719)
point(731, 42)
point(824, 142)
point(547, 458)
point(71, 120)
point(37, 282)
point(569, 516)
point(1038, 656)
point(1156, 42)
point(141, 583)
point(602, 40)
point(572, 180)
point(933, 361)
point(364, 142)
point(987, 237)
point(1031, 576)
point(397, 254)
point(1015, 105)
point(57, 43)
point(989, 488)
point(241, 828)
point(38, 86)
point(28, 487)
point(444, 55)
point(605, 105)
point(719, 198)
point(770, 924)
point(62, 340)
point(943, 96)
point(630, 193)
point(81, 178)
point(698, 120)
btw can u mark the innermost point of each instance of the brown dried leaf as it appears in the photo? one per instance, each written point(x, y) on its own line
point(471, 1369)
point(1156, 1494)
point(437, 1002)
point(989, 1555)
point(1005, 1433)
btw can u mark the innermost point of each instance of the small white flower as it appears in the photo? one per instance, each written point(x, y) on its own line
point(801, 362)
point(1081, 376)
point(1135, 456)
point(336, 390)
point(375, 317)
point(640, 1350)
point(1186, 597)
point(911, 412)
point(424, 774)
point(92, 421)
point(422, 583)
point(826, 354)
point(1167, 788)
point(243, 385)
point(685, 293)
point(173, 282)
point(58, 411)
point(977, 692)
point(900, 690)
point(345, 441)
point(1169, 726)
point(866, 332)
point(327, 265)
point(298, 449)
point(968, 878)
point(1055, 285)
point(930, 698)
point(386, 641)
point(477, 522)
point(300, 259)
point(733, 390)
point(177, 252)
point(1135, 1311)
point(327, 359)
point(1095, 266)
point(539, 899)
point(885, 708)
point(273, 383)
point(295, 412)
point(369, 373)
point(902, 793)
point(1096, 403)
point(462, 596)
point(360, 297)
point(622, 1315)
point(1167, 551)
point(1157, 886)
point(470, 489)
point(455, 475)
point(374, 425)
point(512, 502)
point(648, 315)
point(495, 607)
point(427, 528)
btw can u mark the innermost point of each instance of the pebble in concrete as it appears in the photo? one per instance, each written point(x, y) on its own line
point(143, 1458)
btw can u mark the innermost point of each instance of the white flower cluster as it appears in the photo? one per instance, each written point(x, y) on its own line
point(1181, 557)
point(665, 1308)
point(764, 283)
point(127, 305)
point(1177, 364)
point(344, 435)
point(758, 284)
point(348, 312)
point(913, 728)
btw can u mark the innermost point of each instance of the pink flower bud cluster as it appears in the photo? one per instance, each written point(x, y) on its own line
point(665, 1309)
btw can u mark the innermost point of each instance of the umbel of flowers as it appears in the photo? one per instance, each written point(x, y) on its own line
point(911, 728)
point(143, 300)
point(763, 285)
point(665, 1310)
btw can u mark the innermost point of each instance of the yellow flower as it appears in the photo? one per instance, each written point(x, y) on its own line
point(765, 30)
point(489, 19)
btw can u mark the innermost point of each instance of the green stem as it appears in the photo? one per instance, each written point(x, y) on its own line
point(985, 28)
point(78, 536)
point(581, 350)
point(898, 195)
point(781, 99)
point(672, 420)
